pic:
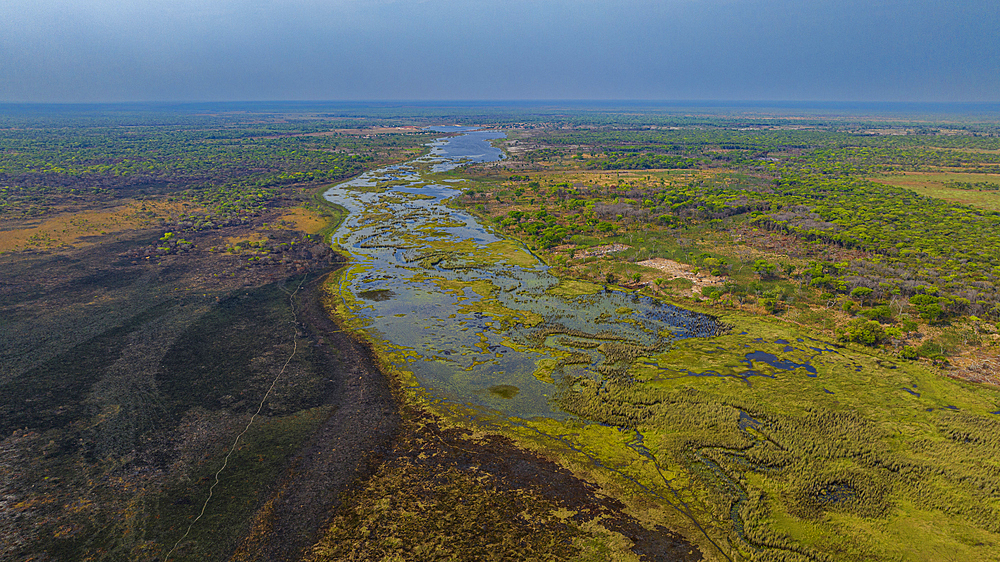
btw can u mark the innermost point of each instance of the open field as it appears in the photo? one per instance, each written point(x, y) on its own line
point(936, 185)
point(306, 220)
point(75, 228)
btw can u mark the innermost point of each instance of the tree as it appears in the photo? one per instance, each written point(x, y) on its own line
point(861, 293)
point(764, 269)
point(864, 331)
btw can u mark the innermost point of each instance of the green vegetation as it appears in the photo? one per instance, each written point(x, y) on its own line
point(826, 433)
point(813, 451)
point(229, 170)
point(968, 186)
point(829, 235)
point(950, 186)
point(815, 425)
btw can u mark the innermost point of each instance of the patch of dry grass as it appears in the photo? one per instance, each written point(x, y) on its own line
point(305, 220)
point(75, 228)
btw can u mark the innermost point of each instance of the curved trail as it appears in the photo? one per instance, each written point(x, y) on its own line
point(232, 448)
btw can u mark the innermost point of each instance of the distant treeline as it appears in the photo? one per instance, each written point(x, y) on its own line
point(972, 186)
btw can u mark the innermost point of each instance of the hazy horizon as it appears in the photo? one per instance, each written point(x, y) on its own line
point(464, 110)
point(100, 51)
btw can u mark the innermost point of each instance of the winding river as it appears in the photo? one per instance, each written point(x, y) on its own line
point(476, 318)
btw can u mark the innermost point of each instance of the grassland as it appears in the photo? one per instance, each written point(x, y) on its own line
point(812, 450)
point(936, 185)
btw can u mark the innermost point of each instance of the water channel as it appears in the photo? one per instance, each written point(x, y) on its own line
point(475, 317)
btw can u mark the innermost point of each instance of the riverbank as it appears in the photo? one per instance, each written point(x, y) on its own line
point(749, 436)
point(408, 266)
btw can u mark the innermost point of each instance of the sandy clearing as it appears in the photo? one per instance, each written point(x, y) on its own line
point(683, 271)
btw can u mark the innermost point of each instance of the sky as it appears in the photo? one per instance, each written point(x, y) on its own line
point(365, 50)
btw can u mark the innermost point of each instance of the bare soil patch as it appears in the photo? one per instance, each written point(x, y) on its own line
point(603, 250)
point(683, 271)
point(978, 368)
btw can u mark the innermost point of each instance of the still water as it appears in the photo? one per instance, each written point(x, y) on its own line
point(476, 317)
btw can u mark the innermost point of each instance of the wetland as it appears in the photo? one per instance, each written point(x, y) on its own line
point(750, 438)
point(551, 337)
point(464, 310)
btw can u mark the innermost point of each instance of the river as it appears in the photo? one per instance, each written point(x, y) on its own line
point(476, 318)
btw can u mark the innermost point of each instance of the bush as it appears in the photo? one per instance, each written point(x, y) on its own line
point(867, 332)
point(861, 293)
point(772, 305)
point(764, 269)
point(881, 313)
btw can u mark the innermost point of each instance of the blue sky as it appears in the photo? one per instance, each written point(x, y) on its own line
point(249, 50)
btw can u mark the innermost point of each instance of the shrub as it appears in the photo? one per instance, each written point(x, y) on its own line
point(772, 305)
point(881, 313)
point(764, 269)
point(861, 292)
point(863, 331)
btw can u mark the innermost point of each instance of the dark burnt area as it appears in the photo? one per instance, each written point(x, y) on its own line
point(436, 448)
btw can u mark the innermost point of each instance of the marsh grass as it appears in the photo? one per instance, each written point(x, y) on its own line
point(773, 441)
point(839, 454)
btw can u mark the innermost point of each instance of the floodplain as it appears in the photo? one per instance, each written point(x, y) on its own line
point(552, 336)
point(757, 438)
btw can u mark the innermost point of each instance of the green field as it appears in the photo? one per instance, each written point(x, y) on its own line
point(936, 185)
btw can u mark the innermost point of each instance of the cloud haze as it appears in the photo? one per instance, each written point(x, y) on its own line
point(185, 50)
